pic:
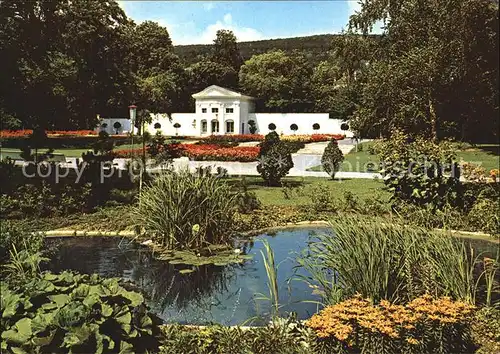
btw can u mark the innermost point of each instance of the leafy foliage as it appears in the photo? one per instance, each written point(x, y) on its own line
point(420, 171)
point(68, 312)
point(332, 158)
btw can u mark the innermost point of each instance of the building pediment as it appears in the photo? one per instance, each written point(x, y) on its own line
point(215, 91)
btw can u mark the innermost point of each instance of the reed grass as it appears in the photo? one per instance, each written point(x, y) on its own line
point(388, 261)
point(182, 210)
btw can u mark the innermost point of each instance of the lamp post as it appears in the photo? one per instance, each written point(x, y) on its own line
point(132, 109)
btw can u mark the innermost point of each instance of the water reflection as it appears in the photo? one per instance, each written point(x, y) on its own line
point(222, 294)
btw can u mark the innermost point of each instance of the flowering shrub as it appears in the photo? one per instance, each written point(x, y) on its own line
point(204, 152)
point(473, 172)
point(420, 326)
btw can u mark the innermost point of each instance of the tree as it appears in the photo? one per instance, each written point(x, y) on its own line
point(280, 81)
point(332, 158)
point(117, 126)
point(275, 160)
point(177, 126)
point(206, 73)
point(252, 126)
point(439, 69)
point(225, 50)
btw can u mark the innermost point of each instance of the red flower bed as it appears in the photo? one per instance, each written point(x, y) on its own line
point(236, 138)
point(15, 133)
point(326, 137)
point(204, 152)
point(207, 152)
point(53, 133)
point(71, 132)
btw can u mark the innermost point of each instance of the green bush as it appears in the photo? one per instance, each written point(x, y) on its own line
point(68, 312)
point(322, 198)
point(13, 236)
point(420, 171)
point(185, 210)
point(281, 336)
point(332, 158)
point(275, 159)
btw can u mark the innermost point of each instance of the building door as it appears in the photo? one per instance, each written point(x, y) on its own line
point(242, 128)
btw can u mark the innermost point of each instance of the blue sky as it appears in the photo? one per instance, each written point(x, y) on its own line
point(196, 22)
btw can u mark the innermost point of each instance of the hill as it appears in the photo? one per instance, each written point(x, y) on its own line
point(316, 47)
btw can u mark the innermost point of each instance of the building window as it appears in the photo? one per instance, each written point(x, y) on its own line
point(229, 110)
point(157, 126)
point(271, 126)
point(204, 126)
point(294, 127)
point(229, 126)
point(316, 126)
point(215, 110)
point(215, 126)
point(203, 110)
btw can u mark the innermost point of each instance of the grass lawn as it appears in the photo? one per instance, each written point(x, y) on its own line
point(360, 161)
point(485, 155)
point(69, 152)
point(362, 188)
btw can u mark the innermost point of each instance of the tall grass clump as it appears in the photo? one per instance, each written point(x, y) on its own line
point(181, 210)
point(387, 261)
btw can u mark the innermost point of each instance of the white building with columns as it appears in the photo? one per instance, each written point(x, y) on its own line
point(222, 111)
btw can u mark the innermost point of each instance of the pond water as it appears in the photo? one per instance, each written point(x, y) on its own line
point(221, 294)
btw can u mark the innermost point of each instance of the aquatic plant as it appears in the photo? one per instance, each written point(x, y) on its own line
point(272, 278)
point(387, 261)
point(181, 210)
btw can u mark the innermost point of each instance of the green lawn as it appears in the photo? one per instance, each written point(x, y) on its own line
point(361, 188)
point(360, 161)
point(485, 155)
point(69, 152)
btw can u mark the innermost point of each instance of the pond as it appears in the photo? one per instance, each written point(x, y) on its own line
point(222, 294)
point(227, 295)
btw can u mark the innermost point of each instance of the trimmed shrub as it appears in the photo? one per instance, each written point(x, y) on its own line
point(275, 159)
point(332, 158)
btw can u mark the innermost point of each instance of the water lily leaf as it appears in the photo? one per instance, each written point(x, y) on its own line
point(17, 350)
point(41, 321)
point(146, 321)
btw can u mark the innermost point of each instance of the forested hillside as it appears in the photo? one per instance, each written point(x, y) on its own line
point(434, 71)
point(315, 47)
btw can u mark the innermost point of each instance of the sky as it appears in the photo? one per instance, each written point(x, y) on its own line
point(196, 22)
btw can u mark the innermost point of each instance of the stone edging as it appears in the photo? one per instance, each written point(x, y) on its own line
point(301, 224)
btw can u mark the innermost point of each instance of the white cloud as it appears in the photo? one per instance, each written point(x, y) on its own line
point(207, 35)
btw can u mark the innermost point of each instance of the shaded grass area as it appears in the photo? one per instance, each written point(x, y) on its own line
point(69, 152)
point(361, 188)
point(485, 155)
